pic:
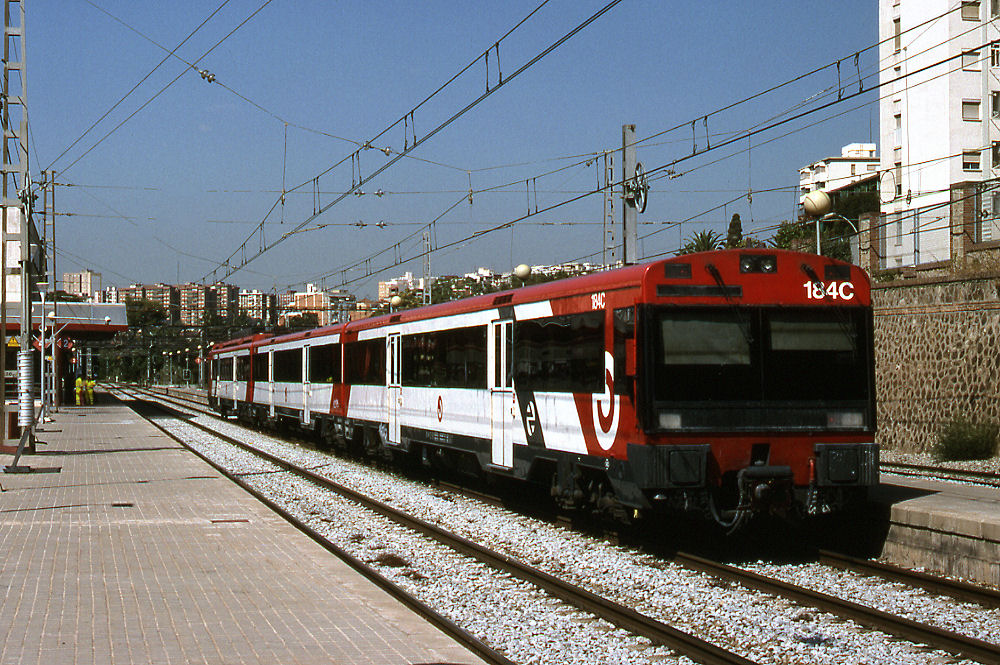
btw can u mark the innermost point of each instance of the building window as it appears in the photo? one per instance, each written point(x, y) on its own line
point(970, 10)
point(898, 174)
point(994, 7)
point(897, 155)
point(897, 129)
point(970, 60)
point(971, 160)
point(897, 222)
point(995, 54)
point(995, 104)
point(854, 169)
point(872, 168)
point(970, 109)
point(995, 155)
point(897, 35)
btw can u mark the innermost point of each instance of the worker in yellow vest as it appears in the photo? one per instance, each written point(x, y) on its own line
point(79, 390)
point(89, 385)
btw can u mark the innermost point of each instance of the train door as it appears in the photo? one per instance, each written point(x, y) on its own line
point(394, 396)
point(306, 386)
point(270, 383)
point(501, 364)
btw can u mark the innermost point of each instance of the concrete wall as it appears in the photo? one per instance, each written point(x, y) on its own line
point(937, 356)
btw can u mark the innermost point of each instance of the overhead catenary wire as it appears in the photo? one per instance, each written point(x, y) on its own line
point(544, 190)
point(135, 87)
point(662, 170)
point(213, 78)
point(229, 269)
point(760, 129)
point(165, 88)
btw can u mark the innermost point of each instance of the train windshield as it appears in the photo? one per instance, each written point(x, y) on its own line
point(758, 368)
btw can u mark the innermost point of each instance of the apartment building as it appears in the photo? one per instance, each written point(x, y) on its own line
point(938, 116)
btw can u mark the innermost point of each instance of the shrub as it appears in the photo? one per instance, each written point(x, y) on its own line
point(964, 440)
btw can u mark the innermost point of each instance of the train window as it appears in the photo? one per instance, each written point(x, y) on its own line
point(261, 371)
point(324, 364)
point(756, 367)
point(364, 362)
point(816, 355)
point(704, 354)
point(715, 338)
point(446, 358)
point(243, 368)
point(288, 366)
point(560, 353)
point(226, 369)
point(794, 333)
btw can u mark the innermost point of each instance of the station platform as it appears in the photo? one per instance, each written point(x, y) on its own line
point(123, 547)
point(946, 527)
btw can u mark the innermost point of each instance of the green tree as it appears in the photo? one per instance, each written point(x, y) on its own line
point(801, 236)
point(790, 235)
point(702, 241)
point(734, 238)
point(306, 321)
point(144, 313)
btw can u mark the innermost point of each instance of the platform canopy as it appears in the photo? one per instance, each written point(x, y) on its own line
point(75, 320)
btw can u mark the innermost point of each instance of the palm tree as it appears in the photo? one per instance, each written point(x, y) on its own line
point(703, 241)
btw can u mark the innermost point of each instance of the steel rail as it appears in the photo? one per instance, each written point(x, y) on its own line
point(921, 471)
point(908, 629)
point(939, 638)
point(684, 643)
point(943, 586)
point(449, 627)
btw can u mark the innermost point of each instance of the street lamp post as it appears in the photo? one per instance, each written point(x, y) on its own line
point(201, 366)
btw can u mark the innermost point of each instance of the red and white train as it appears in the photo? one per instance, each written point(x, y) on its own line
point(730, 382)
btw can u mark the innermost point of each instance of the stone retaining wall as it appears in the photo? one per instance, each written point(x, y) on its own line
point(937, 357)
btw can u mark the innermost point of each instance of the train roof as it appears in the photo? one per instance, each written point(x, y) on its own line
point(608, 280)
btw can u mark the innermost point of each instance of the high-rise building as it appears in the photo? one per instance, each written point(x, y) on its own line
point(227, 301)
point(85, 283)
point(196, 299)
point(259, 306)
point(858, 162)
point(939, 118)
point(168, 296)
point(405, 282)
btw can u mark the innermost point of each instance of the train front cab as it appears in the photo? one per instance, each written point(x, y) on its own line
point(755, 386)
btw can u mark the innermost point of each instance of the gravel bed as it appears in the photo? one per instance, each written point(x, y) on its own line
point(759, 626)
point(514, 617)
point(893, 597)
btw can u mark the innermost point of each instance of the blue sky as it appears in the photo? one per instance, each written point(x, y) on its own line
point(197, 168)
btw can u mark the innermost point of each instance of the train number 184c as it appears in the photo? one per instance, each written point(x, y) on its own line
point(833, 290)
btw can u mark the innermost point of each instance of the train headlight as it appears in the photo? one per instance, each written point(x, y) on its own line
point(764, 263)
point(845, 419)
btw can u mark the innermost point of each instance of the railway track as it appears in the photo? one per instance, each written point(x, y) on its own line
point(615, 613)
point(943, 586)
point(911, 630)
point(936, 584)
point(941, 473)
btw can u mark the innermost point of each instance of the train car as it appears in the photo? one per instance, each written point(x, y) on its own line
point(732, 382)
